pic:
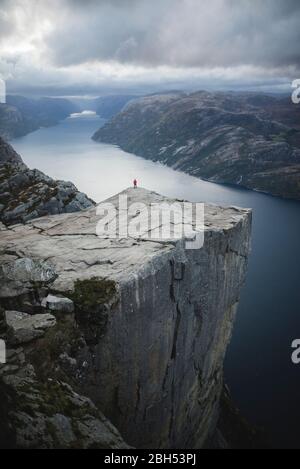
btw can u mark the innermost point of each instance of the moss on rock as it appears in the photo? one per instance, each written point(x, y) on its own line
point(93, 299)
point(93, 292)
point(64, 337)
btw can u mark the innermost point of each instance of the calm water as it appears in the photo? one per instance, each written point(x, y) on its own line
point(258, 369)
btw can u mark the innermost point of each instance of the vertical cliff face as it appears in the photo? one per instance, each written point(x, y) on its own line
point(160, 361)
point(152, 318)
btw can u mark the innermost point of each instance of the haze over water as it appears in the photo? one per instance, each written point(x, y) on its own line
point(258, 366)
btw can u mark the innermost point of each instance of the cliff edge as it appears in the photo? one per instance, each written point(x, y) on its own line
point(134, 328)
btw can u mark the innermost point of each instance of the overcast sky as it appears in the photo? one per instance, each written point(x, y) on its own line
point(96, 46)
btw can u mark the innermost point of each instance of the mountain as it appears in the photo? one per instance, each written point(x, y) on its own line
point(12, 122)
point(105, 106)
point(134, 328)
point(108, 106)
point(21, 115)
point(251, 140)
point(28, 193)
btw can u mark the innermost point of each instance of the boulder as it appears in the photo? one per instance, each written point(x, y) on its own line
point(24, 328)
point(56, 303)
point(18, 276)
point(29, 270)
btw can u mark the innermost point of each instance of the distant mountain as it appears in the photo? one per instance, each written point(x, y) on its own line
point(248, 139)
point(108, 106)
point(105, 106)
point(13, 123)
point(27, 194)
point(21, 115)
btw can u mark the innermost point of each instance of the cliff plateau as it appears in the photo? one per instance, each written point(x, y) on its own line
point(133, 329)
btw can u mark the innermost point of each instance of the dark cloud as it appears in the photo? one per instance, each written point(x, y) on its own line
point(180, 32)
point(166, 41)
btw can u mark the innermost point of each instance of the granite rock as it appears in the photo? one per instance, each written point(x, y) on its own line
point(152, 319)
point(57, 303)
point(25, 328)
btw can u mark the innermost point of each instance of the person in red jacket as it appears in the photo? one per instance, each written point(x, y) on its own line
point(135, 183)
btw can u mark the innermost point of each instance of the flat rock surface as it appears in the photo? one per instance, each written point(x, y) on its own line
point(70, 244)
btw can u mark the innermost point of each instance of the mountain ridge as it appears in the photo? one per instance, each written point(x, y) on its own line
point(247, 139)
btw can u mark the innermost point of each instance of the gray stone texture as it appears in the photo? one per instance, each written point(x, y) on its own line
point(151, 349)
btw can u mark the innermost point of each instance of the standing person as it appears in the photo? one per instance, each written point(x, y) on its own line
point(135, 183)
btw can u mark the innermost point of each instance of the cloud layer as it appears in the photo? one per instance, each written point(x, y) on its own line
point(101, 44)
